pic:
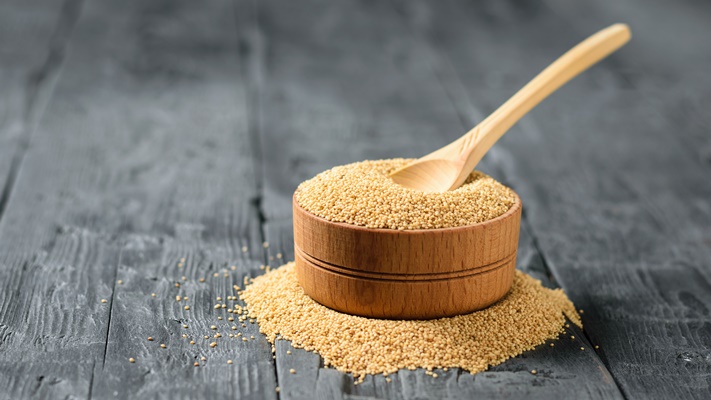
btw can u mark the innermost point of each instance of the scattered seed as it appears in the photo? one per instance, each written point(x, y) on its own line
point(120, 282)
point(203, 358)
point(196, 364)
point(153, 295)
point(184, 278)
point(597, 347)
point(534, 372)
point(572, 337)
point(185, 326)
point(582, 348)
point(288, 352)
point(292, 371)
point(229, 361)
point(177, 284)
point(178, 298)
point(213, 344)
point(213, 327)
point(186, 308)
point(150, 339)
point(192, 342)
point(244, 249)
point(162, 346)
point(388, 380)
point(132, 360)
point(201, 280)
point(530, 312)
point(103, 300)
point(552, 344)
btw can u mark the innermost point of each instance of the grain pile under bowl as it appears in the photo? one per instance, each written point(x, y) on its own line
point(406, 274)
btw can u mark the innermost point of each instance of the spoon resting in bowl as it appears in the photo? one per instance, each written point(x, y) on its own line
point(447, 168)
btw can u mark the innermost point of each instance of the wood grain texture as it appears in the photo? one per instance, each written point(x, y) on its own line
point(356, 71)
point(141, 158)
point(636, 257)
point(405, 274)
point(33, 36)
point(162, 130)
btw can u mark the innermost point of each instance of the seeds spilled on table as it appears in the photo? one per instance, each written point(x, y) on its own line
point(528, 316)
point(362, 194)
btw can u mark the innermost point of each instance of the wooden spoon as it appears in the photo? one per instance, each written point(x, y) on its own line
point(448, 167)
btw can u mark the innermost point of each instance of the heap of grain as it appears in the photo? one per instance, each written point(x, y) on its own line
point(362, 194)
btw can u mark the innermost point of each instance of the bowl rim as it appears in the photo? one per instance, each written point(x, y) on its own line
point(514, 209)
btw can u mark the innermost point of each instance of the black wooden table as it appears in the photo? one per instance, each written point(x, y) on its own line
point(136, 133)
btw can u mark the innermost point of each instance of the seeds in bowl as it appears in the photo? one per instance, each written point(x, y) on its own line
point(362, 194)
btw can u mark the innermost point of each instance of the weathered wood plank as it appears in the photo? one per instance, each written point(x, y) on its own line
point(45, 380)
point(352, 82)
point(32, 40)
point(668, 61)
point(614, 201)
point(143, 157)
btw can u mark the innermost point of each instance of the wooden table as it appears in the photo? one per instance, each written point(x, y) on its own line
point(135, 133)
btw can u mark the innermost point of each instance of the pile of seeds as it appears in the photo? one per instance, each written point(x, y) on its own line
point(528, 316)
point(362, 194)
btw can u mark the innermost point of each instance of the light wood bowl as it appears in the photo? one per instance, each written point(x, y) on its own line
point(408, 274)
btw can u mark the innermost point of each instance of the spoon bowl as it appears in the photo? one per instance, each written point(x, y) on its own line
point(429, 175)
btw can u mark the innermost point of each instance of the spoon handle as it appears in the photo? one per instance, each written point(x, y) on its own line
point(474, 144)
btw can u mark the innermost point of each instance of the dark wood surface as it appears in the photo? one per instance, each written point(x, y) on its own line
point(135, 133)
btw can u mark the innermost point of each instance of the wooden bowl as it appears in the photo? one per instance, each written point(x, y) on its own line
point(405, 274)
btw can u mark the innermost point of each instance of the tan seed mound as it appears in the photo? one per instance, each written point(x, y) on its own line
point(362, 194)
point(528, 316)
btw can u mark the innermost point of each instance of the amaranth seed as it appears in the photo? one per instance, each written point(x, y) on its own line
point(362, 194)
point(527, 317)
